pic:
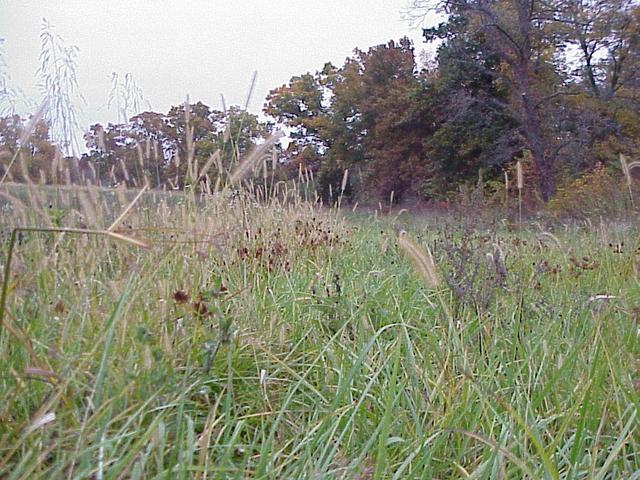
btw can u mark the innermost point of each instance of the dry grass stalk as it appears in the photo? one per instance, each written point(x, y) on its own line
point(101, 144)
point(31, 126)
point(191, 148)
point(88, 212)
point(131, 240)
point(127, 209)
point(506, 187)
point(345, 179)
point(553, 238)
point(626, 170)
point(519, 175)
point(94, 175)
point(140, 155)
point(214, 157)
point(247, 165)
point(520, 185)
point(265, 171)
point(125, 172)
point(24, 170)
point(56, 163)
point(26, 134)
point(421, 258)
point(40, 422)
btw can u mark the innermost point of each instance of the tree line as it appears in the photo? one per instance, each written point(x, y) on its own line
point(552, 84)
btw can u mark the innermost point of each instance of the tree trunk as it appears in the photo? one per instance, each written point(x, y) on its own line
point(532, 133)
point(588, 57)
point(531, 125)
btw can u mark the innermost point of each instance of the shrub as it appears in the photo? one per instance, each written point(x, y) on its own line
point(598, 192)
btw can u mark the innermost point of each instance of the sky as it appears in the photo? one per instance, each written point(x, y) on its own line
point(196, 47)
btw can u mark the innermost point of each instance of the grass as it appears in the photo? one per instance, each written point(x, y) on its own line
point(276, 340)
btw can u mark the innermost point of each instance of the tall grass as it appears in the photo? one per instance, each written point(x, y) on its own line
point(274, 339)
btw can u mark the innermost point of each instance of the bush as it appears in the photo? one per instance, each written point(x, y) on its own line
point(598, 192)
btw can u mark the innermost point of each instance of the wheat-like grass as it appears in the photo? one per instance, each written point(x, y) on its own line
point(31, 126)
point(247, 165)
point(213, 158)
point(519, 175)
point(506, 188)
point(421, 258)
point(520, 185)
point(626, 170)
point(553, 238)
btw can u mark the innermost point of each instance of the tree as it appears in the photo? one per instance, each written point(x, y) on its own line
point(168, 150)
point(365, 116)
point(605, 34)
point(302, 106)
point(514, 31)
point(532, 42)
point(37, 156)
point(475, 126)
point(389, 118)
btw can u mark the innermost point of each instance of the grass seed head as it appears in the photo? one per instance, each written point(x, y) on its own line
point(345, 179)
point(421, 258)
point(519, 175)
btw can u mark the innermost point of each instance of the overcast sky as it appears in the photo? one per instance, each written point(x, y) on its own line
point(196, 47)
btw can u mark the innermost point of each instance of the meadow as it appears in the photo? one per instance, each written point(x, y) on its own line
point(169, 335)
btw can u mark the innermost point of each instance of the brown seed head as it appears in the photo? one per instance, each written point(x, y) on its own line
point(421, 258)
point(180, 297)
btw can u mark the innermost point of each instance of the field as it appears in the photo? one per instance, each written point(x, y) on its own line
point(221, 337)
